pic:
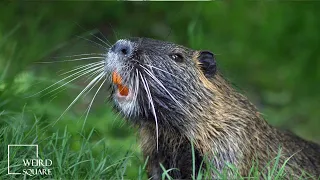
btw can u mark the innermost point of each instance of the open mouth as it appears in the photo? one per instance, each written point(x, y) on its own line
point(122, 91)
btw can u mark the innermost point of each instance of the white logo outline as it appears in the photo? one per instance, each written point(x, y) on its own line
point(20, 145)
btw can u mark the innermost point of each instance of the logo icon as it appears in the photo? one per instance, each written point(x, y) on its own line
point(24, 159)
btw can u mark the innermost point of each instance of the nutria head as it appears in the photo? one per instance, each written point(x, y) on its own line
point(161, 79)
point(174, 94)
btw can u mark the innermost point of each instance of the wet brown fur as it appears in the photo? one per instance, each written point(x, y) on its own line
point(226, 128)
point(223, 125)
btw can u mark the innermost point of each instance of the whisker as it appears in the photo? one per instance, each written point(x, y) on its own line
point(83, 66)
point(77, 55)
point(79, 95)
point(103, 47)
point(54, 94)
point(163, 71)
point(64, 79)
point(93, 74)
point(89, 107)
point(146, 86)
point(157, 80)
point(95, 35)
point(79, 59)
point(108, 45)
point(116, 118)
point(89, 71)
point(164, 88)
point(133, 108)
point(114, 32)
point(104, 37)
point(136, 90)
point(101, 71)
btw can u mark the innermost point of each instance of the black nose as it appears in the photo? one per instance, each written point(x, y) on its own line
point(122, 47)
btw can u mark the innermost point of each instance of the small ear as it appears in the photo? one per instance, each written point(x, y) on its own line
point(208, 63)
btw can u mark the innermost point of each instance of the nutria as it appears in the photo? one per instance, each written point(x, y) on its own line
point(175, 95)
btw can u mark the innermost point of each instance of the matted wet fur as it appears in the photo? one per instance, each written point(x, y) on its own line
point(176, 96)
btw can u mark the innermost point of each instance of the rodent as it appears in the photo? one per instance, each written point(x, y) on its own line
point(176, 95)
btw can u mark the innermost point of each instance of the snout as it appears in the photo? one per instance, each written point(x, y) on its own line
point(118, 55)
point(122, 48)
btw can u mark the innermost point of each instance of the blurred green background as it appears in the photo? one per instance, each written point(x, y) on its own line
point(268, 50)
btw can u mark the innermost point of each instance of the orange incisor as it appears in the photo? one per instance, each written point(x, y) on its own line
point(117, 80)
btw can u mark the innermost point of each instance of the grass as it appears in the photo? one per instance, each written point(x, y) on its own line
point(93, 159)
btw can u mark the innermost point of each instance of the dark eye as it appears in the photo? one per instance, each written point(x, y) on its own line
point(176, 57)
